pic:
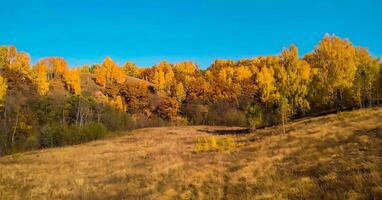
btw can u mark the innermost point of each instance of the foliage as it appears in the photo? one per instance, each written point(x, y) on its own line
point(255, 92)
point(40, 78)
point(335, 63)
point(3, 90)
point(213, 143)
point(131, 69)
point(254, 115)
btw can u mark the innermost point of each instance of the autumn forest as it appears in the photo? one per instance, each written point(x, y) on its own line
point(50, 104)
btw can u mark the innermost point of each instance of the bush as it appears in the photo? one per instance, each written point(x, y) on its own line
point(93, 131)
point(154, 121)
point(225, 113)
point(254, 115)
point(204, 144)
point(31, 143)
point(116, 120)
point(195, 112)
point(58, 135)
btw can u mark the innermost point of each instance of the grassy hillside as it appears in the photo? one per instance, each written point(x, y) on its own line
point(330, 157)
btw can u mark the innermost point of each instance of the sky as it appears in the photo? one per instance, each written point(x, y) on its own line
point(148, 31)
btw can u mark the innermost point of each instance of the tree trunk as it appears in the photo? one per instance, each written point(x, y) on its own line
point(78, 111)
point(15, 129)
point(5, 116)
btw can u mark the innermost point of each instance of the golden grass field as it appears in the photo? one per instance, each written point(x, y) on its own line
point(330, 157)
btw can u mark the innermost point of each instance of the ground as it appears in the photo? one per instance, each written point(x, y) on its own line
point(330, 157)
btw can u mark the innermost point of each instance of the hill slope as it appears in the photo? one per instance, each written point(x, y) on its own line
point(330, 157)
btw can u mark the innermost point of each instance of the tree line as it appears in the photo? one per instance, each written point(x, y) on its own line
point(51, 104)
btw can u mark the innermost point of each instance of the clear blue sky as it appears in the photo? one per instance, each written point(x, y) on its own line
point(147, 31)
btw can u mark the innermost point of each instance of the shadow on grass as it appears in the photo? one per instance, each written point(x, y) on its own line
point(335, 168)
point(236, 131)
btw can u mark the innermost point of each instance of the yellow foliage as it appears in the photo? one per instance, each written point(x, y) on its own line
point(118, 103)
point(180, 93)
point(213, 143)
point(3, 90)
point(109, 73)
point(73, 80)
point(39, 77)
point(21, 64)
point(100, 75)
point(204, 144)
point(131, 69)
point(159, 80)
point(185, 68)
point(265, 81)
point(336, 62)
point(242, 73)
point(293, 77)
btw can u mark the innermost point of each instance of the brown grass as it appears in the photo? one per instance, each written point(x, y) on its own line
point(331, 157)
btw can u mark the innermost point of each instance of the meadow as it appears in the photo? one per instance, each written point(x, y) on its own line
point(336, 156)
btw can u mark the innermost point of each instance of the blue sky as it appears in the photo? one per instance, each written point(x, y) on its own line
point(147, 31)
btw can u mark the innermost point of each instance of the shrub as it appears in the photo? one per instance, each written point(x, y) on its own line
point(31, 143)
point(201, 145)
point(204, 144)
point(154, 121)
point(254, 115)
point(225, 113)
point(213, 143)
point(115, 120)
point(93, 131)
point(227, 142)
point(58, 135)
point(195, 112)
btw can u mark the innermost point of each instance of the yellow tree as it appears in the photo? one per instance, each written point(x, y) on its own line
point(162, 76)
point(56, 67)
point(335, 62)
point(366, 78)
point(242, 73)
point(265, 79)
point(73, 80)
point(7, 56)
point(179, 92)
point(118, 103)
point(185, 72)
point(3, 90)
point(109, 73)
point(266, 84)
point(40, 80)
point(186, 68)
point(113, 72)
point(21, 64)
point(131, 69)
point(216, 67)
point(159, 80)
point(100, 75)
point(16, 61)
point(4, 58)
point(168, 75)
point(293, 76)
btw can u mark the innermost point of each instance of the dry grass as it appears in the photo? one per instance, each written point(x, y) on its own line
point(330, 157)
